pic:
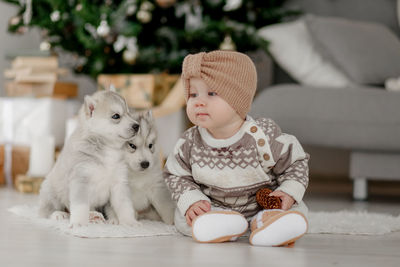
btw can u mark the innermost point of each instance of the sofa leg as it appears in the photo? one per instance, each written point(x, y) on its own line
point(360, 188)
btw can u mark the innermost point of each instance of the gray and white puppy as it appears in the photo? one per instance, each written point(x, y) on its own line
point(90, 170)
point(150, 196)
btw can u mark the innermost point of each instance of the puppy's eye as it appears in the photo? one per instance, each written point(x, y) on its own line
point(132, 145)
point(116, 116)
point(150, 146)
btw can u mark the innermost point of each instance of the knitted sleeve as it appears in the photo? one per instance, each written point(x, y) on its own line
point(291, 162)
point(178, 175)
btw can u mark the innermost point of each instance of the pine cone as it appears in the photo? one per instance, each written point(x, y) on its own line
point(267, 202)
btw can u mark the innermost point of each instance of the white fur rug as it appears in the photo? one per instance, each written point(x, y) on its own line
point(352, 223)
point(148, 228)
point(341, 222)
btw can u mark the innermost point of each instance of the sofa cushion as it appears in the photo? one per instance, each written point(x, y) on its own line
point(368, 53)
point(292, 48)
point(364, 118)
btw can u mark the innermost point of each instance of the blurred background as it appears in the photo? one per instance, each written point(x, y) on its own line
point(328, 72)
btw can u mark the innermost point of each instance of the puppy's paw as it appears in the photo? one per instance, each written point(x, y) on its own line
point(113, 221)
point(78, 220)
point(76, 225)
point(96, 217)
point(59, 215)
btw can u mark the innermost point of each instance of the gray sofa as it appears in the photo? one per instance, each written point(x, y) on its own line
point(362, 119)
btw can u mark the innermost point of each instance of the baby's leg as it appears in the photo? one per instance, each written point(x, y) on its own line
point(300, 207)
point(181, 225)
point(279, 227)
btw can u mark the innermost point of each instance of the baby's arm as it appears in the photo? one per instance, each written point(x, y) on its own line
point(179, 180)
point(197, 209)
point(287, 200)
point(292, 175)
point(291, 165)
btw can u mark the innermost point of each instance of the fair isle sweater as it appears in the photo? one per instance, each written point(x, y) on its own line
point(228, 172)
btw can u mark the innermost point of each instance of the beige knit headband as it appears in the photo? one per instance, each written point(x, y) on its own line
point(231, 74)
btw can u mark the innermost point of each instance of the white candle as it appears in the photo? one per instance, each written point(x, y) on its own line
point(41, 157)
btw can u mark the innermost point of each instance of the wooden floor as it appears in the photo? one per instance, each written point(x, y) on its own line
point(24, 244)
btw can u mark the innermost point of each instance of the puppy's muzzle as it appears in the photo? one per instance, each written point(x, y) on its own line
point(144, 164)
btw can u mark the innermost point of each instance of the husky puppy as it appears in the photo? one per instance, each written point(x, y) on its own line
point(90, 170)
point(150, 196)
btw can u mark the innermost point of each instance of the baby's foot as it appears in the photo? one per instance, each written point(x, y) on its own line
point(277, 228)
point(218, 226)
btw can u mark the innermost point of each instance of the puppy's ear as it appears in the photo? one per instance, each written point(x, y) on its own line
point(148, 114)
point(131, 110)
point(89, 104)
point(134, 114)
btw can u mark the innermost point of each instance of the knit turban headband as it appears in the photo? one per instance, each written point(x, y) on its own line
point(232, 75)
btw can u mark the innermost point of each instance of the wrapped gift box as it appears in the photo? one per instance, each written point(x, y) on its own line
point(19, 162)
point(26, 184)
point(38, 77)
point(24, 119)
point(21, 119)
point(141, 91)
point(55, 89)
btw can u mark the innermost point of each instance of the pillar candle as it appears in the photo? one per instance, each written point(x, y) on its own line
point(41, 157)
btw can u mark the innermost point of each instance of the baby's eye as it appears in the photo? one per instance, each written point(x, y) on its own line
point(192, 95)
point(212, 93)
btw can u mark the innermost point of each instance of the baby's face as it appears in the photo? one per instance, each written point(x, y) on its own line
point(206, 109)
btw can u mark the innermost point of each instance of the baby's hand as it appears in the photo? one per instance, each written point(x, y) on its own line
point(287, 201)
point(198, 208)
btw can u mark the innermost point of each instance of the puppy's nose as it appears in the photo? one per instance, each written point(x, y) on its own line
point(135, 127)
point(144, 164)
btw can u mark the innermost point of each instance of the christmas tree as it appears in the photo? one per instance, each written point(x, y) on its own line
point(143, 36)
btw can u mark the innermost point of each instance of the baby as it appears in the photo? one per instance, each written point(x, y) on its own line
point(219, 164)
